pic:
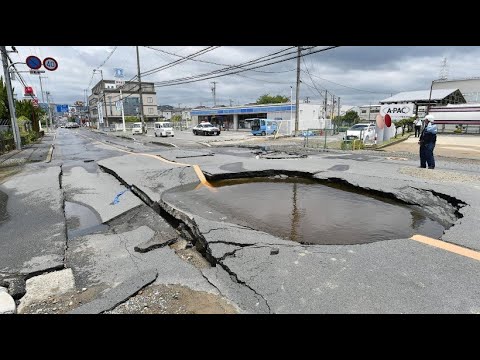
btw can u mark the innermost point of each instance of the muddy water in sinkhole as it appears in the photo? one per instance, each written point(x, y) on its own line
point(304, 211)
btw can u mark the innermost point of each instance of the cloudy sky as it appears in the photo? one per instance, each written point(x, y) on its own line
point(358, 74)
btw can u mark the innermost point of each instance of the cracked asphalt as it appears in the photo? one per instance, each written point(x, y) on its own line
point(243, 269)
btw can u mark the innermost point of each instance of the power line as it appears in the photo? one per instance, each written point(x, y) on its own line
point(179, 61)
point(215, 63)
point(349, 87)
point(261, 59)
point(206, 76)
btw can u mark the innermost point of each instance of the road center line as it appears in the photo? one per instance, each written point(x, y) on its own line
point(447, 246)
point(197, 169)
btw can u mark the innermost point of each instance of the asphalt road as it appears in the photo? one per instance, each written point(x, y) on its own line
point(119, 182)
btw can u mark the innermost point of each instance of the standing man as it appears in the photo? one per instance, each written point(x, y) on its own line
point(418, 126)
point(427, 141)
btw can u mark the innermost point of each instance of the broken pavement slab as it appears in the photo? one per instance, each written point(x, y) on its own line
point(98, 190)
point(40, 287)
point(7, 304)
point(118, 294)
point(33, 235)
point(156, 242)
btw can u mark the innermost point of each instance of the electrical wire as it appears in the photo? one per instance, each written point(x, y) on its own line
point(206, 76)
point(215, 63)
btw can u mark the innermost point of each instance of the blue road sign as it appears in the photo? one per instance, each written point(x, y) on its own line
point(118, 73)
point(33, 62)
point(62, 108)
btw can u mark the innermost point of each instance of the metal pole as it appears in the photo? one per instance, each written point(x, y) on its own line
point(429, 98)
point(49, 126)
point(123, 114)
point(297, 109)
point(11, 104)
point(41, 86)
point(104, 100)
point(140, 90)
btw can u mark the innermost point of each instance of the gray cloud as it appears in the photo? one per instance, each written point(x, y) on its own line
point(363, 74)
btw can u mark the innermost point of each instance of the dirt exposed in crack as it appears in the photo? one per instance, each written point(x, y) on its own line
point(173, 299)
point(190, 254)
point(63, 303)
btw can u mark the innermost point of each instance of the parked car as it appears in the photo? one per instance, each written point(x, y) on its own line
point(137, 128)
point(363, 131)
point(206, 129)
point(163, 128)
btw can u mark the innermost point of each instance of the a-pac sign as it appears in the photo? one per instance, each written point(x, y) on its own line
point(397, 111)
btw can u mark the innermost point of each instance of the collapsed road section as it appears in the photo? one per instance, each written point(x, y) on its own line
point(263, 273)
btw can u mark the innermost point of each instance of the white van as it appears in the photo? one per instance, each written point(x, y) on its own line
point(137, 128)
point(163, 128)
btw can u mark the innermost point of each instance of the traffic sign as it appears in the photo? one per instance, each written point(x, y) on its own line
point(35, 103)
point(50, 64)
point(62, 108)
point(37, 72)
point(33, 62)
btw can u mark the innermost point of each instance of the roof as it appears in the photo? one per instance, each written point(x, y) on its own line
point(437, 94)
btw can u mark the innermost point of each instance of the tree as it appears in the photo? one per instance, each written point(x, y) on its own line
point(25, 108)
point(4, 110)
point(351, 117)
point(267, 99)
point(131, 119)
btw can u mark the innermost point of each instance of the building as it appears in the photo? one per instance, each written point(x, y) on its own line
point(369, 112)
point(422, 99)
point(470, 88)
point(107, 95)
point(234, 117)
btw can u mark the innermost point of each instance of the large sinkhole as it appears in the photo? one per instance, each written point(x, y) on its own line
point(304, 210)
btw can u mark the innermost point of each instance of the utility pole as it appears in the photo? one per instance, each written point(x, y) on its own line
point(297, 110)
point(41, 86)
point(49, 111)
point(326, 104)
point(338, 104)
point(121, 108)
point(214, 93)
point(140, 91)
point(104, 101)
point(333, 106)
point(13, 115)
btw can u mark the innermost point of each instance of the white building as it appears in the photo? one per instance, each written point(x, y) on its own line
point(234, 117)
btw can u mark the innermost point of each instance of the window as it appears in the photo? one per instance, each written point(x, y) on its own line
point(150, 110)
point(364, 111)
point(149, 100)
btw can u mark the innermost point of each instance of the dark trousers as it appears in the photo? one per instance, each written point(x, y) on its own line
point(417, 130)
point(426, 155)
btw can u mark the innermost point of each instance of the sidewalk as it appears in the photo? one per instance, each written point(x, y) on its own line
point(35, 152)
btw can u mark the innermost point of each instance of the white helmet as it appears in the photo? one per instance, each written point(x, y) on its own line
point(430, 118)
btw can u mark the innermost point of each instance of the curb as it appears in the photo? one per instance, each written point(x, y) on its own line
point(392, 143)
point(49, 155)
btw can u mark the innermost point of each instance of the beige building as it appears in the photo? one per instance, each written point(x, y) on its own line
point(107, 94)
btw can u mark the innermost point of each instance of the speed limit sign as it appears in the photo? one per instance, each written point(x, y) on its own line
point(50, 64)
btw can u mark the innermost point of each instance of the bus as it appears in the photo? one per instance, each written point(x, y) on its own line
point(263, 126)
